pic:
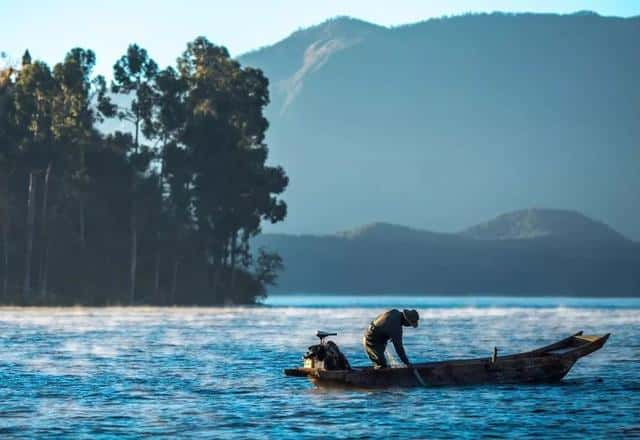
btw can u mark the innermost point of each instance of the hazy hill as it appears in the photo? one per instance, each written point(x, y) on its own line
point(527, 252)
point(448, 121)
point(537, 223)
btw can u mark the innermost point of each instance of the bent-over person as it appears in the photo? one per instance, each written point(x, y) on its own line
point(387, 326)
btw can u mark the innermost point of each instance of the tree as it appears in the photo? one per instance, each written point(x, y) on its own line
point(134, 74)
point(169, 119)
point(179, 206)
point(26, 58)
point(232, 188)
point(73, 129)
point(7, 166)
point(201, 190)
point(34, 93)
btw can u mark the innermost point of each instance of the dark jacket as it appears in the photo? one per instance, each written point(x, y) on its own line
point(388, 326)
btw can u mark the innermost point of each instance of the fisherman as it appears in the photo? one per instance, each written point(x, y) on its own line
point(388, 326)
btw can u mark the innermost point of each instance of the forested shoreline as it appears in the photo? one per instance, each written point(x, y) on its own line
point(162, 214)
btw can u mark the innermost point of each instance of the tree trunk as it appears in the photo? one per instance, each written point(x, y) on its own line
point(212, 267)
point(134, 255)
point(216, 280)
point(156, 276)
point(156, 286)
point(83, 222)
point(45, 236)
point(6, 225)
point(31, 212)
point(137, 134)
point(174, 280)
point(234, 239)
point(5, 258)
point(134, 227)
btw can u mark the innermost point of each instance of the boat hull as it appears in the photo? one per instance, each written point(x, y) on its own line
point(547, 364)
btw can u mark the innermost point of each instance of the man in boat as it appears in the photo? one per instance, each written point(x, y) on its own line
point(388, 326)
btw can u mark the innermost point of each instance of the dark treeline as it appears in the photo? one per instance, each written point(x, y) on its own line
point(161, 214)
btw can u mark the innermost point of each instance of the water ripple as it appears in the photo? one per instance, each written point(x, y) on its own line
point(203, 373)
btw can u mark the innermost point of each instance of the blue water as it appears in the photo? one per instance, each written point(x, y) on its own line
point(317, 300)
point(217, 373)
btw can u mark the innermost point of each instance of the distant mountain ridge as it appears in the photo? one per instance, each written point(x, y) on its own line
point(306, 51)
point(447, 121)
point(517, 225)
point(385, 231)
point(450, 120)
point(537, 223)
point(529, 252)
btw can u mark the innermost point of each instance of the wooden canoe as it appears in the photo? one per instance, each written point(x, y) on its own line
point(547, 364)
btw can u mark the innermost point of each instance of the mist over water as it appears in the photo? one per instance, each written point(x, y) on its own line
point(205, 373)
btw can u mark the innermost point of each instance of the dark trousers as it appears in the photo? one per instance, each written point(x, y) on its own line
point(375, 351)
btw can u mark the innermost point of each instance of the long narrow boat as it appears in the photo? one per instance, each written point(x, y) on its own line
point(547, 364)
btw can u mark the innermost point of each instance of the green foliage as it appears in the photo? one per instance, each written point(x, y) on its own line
point(169, 214)
point(73, 116)
point(33, 99)
point(223, 134)
point(26, 58)
point(134, 74)
point(268, 264)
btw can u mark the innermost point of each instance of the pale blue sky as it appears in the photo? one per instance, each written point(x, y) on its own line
point(51, 27)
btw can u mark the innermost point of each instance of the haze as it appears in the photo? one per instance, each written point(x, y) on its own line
point(164, 27)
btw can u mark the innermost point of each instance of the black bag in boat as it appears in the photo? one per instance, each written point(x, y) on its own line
point(328, 356)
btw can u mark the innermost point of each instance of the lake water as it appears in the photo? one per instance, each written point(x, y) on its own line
point(217, 373)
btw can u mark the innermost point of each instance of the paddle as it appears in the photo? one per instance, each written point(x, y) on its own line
point(416, 373)
point(418, 377)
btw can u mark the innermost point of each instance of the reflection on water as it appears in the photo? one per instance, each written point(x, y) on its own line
point(216, 372)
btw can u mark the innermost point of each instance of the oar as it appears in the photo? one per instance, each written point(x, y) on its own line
point(416, 373)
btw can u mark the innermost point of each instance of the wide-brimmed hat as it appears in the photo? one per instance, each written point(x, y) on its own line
point(411, 316)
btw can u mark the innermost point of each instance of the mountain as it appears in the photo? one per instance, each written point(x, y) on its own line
point(534, 252)
point(291, 61)
point(388, 232)
point(535, 223)
point(447, 121)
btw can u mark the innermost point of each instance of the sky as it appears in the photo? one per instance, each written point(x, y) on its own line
point(49, 28)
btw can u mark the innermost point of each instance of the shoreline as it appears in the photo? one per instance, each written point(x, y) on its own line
point(293, 300)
